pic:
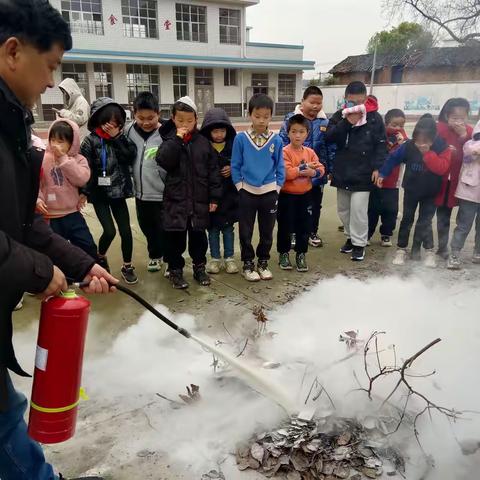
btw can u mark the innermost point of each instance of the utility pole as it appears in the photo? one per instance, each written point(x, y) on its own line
point(374, 66)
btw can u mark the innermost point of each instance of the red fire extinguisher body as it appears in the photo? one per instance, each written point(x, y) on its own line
point(58, 368)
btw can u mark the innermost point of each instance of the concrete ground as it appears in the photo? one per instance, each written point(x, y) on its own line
point(228, 301)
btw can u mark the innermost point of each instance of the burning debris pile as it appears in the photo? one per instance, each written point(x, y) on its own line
point(323, 449)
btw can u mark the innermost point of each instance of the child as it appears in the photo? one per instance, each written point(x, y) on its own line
point(361, 151)
point(258, 172)
point(468, 194)
point(453, 128)
point(383, 203)
point(110, 155)
point(311, 108)
point(218, 129)
point(294, 202)
point(64, 171)
point(193, 188)
point(148, 177)
point(426, 158)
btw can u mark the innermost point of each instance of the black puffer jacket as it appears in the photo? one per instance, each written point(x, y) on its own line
point(193, 179)
point(227, 212)
point(360, 151)
point(120, 153)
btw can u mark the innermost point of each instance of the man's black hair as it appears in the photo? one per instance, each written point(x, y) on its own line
point(312, 90)
point(62, 131)
point(108, 113)
point(425, 126)
point(298, 119)
point(182, 107)
point(356, 88)
point(260, 100)
point(450, 104)
point(146, 101)
point(34, 22)
point(393, 113)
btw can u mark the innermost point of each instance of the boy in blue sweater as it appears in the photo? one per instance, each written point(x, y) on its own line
point(258, 172)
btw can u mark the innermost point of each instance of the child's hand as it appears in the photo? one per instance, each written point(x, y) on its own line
point(459, 128)
point(112, 130)
point(308, 172)
point(423, 147)
point(82, 201)
point(354, 118)
point(212, 207)
point(400, 138)
point(42, 207)
point(375, 177)
point(226, 171)
point(182, 131)
point(379, 182)
point(58, 150)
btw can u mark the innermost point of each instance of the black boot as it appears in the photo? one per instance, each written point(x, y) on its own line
point(177, 280)
point(200, 275)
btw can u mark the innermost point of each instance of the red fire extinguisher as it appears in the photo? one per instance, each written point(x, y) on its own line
point(56, 389)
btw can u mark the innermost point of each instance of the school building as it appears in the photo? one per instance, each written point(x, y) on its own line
point(173, 48)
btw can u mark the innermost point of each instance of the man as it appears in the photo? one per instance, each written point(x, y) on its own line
point(33, 38)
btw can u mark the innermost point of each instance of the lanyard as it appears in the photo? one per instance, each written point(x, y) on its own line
point(103, 157)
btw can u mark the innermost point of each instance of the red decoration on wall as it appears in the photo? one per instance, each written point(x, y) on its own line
point(113, 19)
point(167, 24)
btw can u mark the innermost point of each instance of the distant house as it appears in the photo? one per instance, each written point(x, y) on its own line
point(450, 64)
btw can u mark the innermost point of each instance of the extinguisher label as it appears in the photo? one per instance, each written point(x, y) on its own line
point(41, 358)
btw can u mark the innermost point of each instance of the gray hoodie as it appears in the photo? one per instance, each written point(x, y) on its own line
point(148, 177)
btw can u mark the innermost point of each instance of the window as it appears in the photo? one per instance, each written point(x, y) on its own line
point(191, 23)
point(230, 77)
point(83, 16)
point(141, 78)
point(287, 83)
point(259, 83)
point(230, 26)
point(203, 76)
point(180, 82)
point(77, 71)
point(102, 74)
point(140, 18)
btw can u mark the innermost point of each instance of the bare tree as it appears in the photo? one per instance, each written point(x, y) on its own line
point(460, 19)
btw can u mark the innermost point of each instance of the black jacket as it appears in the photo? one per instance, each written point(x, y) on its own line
point(227, 212)
point(28, 247)
point(193, 179)
point(121, 153)
point(360, 151)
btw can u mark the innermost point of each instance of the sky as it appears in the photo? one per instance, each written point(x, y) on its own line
point(330, 30)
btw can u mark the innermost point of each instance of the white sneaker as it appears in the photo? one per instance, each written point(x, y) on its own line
point(430, 259)
point(230, 265)
point(154, 265)
point(400, 257)
point(249, 272)
point(213, 266)
point(19, 305)
point(386, 241)
point(263, 271)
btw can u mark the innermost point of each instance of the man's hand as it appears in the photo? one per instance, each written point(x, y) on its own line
point(226, 171)
point(212, 207)
point(42, 207)
point(112, 130)
point(354, 118)
point(100, 281)
point(57, 284)
point(375, 176)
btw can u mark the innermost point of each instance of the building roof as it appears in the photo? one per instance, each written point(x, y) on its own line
point(433, 57)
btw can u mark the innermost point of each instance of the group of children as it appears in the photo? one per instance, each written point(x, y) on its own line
point(189, 180)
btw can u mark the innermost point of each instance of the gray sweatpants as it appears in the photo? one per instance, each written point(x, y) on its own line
point(352, 209)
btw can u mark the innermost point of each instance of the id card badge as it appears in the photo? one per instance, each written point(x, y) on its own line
point(104, 181)
point(51, 197)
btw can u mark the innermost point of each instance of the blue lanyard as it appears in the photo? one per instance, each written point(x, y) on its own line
point(103, 156)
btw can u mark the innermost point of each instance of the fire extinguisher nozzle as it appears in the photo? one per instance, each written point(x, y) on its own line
point(184, 332)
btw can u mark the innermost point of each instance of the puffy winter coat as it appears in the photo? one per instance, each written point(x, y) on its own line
point(193, 179)
point(360, 151)
point(316, 140)
point(119, 152)
point(77, 108)
point(469, 181)
point(227, 212)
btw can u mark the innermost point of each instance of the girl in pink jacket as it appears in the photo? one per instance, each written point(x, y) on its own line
point(468, 194)
point(64, 172)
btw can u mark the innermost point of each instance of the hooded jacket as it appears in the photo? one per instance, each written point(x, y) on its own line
point(148, 177)
point(469, 180)
point(28, 247)
point(316, 141)
point(227, 212)
point(118, 154)
point(63, 177)
point(193, 179)
point(77, 108)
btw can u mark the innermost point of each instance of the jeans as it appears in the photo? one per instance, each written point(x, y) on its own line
point(352, 209)
point(21, 458)
point(228, 232)
point(468, 213)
